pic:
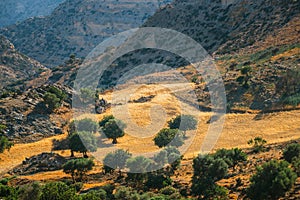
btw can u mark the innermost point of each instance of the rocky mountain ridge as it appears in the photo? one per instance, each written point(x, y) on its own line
point(13, 11)
point(77, 26)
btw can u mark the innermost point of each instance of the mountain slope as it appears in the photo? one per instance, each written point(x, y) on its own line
point(13, 11)
point(226, 28)
point(77, 26)
point(18, 70)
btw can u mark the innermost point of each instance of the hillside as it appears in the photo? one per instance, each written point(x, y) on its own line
point(18, 70)
point(14, 11)
point(77, 26)
point(226, 29)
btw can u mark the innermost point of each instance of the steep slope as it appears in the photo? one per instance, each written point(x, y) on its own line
point(13, 11)
point(226, 28)
point(77, 26)
point(18, 70)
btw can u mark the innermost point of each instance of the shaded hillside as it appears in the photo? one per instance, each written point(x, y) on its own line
point(226, 28)
point(77, 26)
point(18, 70)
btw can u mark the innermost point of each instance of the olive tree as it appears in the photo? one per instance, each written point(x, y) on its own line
point(77, 168)
point(82, 142)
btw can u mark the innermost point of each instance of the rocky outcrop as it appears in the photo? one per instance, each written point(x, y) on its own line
point(40, 163)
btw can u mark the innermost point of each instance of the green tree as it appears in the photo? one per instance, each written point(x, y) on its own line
point(30, 191)
point(114, 129)
point(52, 101)
point(183, 123)
point(116, 160)
point(208, 170)
point(8, 192)
point(85, 124)
point(291, 151)
point(138, 164)
point(271, 181)
point(258, 144)
point(77, 168)
point(168, 137)
point(105, 120)
point(58, 191)
point(82, 142)
point(95, 195)
point(232, 157)
point(5, 144)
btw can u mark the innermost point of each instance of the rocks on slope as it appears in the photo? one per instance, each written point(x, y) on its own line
point(18, 70)
point(77, 26)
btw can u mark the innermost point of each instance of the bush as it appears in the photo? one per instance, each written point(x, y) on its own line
point(105, 120)
point(208, 170)
point(83, 142)
point(86, 124)
point(77, 168)
point(168, 137)
point(296, 165)
point(258, 144)
point(95, 195)
point(30, 191)
point(116, 160)
point(58, 191)
point(232, 157)
point(291, 151)
point(183, 123)
point(5, 144)
point(168, 190)
point(51, 101)
point(271, 181)
point(8, 193)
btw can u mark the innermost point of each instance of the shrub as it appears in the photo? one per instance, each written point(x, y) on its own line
point(5, 144)
point(105, 120)
point(183, 123)
point(8, 193)
point(258, 144)
point(168, 137)
point(83, 142)
point(296, 165)
point(95, 195)
point(168, 190)
point(272, 180)
point(77, 168)
point(52, 101)
point(83, 125)
point(58, 191)
point(87, 95)
point(30, 191)
point(208, 170)
point(291, 151)
point(232, 157)
point(116, 160)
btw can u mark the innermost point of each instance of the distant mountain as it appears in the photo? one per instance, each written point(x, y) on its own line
point(77, 26)
point(17, 70)
point(226, 25)
point(13, 11)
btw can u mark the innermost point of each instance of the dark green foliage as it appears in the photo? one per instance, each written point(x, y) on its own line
point(126, 193)
point(53, 98)
point(208, 170)
point(296, 165)
point(5, 144)
point(114, 129)
point(52, 101)
point(116, 160)
point(95, 195)
point(291, 151)
point(8, 193)
point(83, 125)
point(87, 95)
point(30, 191)
point(183, 123)
point(168, 137)
point(83, 142)
point(169, 190)
point(138, 167)
point(232, 157)
point(271, 181)
point(105, 120)
point(158, 180)
point(293, 100)
point(77, 168)
point(258, 144)
point(58, 191)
